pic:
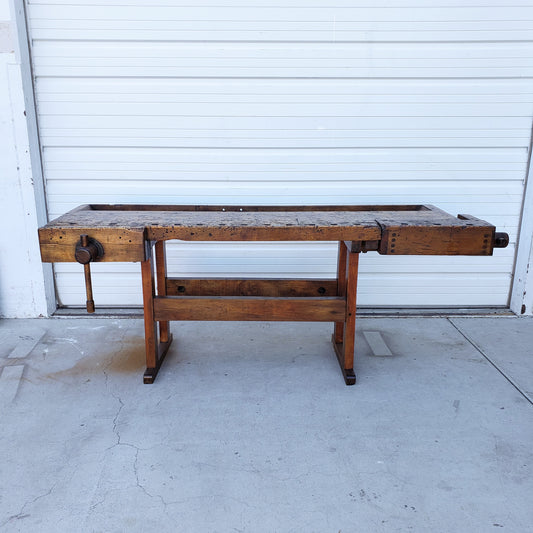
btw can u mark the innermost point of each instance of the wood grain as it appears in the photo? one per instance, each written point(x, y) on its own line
point(58, 243)
point(161, 276)
point(338, 334)
point(437, 240)
point(329, 309)
point(417, 229)
point(251, 287)
point(150, 327)
point(351, 309)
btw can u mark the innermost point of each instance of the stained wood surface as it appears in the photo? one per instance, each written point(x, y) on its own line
point(58, 242)
point(395, 229)
point(338, 332)
point(464, 235)
point(330, 309)
point(348, 343)
point(251, 287)
point(150, 326)
point(249, 208)
point(161, 276)
point(442, 240)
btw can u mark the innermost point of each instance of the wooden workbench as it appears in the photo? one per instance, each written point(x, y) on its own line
point(94, 233)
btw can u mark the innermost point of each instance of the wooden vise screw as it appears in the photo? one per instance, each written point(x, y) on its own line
point(501, 240)
point(88, 250)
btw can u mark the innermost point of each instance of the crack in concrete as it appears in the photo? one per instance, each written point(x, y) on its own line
point(120, 443)
point(115, 396)
point(141, 486)
point(20, 515)
point(138, 483)
point(115, 420)
point(215, 497)
point(165, 399)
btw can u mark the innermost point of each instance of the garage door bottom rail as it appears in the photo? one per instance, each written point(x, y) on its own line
point(131, 233)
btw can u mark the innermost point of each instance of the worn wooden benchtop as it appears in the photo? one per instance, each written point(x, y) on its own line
point(388, 229)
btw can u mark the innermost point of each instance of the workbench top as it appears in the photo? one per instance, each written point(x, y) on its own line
point(417, 229)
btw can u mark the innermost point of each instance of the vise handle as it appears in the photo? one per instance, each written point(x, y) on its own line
point(87, 250)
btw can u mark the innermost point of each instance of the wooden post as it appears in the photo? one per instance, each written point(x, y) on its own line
point(150, 329)
point(351, 307)
point(161, 270)
point(155, 350)
point(344, 335)
point(341, 288)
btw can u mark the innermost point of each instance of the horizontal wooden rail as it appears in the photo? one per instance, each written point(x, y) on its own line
point(325, 309)
point(251, 287)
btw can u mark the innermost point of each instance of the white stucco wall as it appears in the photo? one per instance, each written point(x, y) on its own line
point(24, 281)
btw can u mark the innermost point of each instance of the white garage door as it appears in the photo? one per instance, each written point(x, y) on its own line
point(245, 102)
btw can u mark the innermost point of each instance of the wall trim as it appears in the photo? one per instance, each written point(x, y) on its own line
point(23, 59)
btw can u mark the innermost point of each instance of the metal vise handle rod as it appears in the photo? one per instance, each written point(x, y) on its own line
point(88, 281)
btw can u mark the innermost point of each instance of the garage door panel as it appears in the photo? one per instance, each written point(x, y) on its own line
point(253, 159)
point(226, 12)
point(340, 123)
point(278, 60)
point(292, 109)
point(319, 139)
point(299, 22)
point(443, 90)
point(291, 3)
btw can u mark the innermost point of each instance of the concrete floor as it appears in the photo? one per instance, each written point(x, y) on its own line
point(249, 427)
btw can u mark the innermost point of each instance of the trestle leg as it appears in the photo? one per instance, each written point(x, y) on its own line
point(344, 334)
point(161, 271)
point(158, 340)
point(156, 348)
point(341, 289)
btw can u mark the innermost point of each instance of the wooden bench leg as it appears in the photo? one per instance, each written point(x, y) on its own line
point(344, 335)
point(341, 289)
point(155, 350)
point(161, 270)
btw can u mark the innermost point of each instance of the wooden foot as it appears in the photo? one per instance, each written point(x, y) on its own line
point(348, 373)
point(151, 373)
